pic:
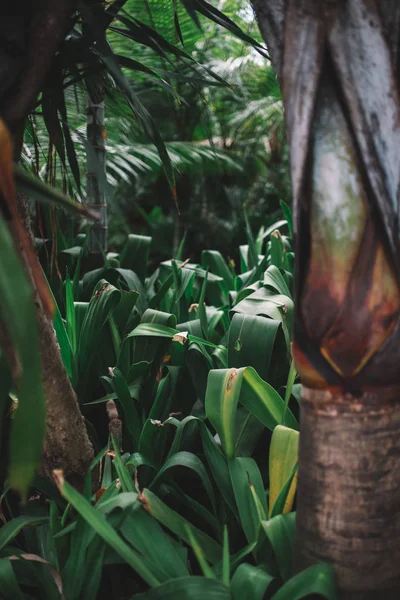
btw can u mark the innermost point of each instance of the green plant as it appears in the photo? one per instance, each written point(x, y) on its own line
point(195, 362)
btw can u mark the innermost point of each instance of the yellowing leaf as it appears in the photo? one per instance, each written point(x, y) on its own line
point(283, 456)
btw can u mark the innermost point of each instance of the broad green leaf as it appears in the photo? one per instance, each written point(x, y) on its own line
point(239, 469)
point(280, 531)
point(135, 254)
point(274, 306)
point(18, 313)
point(100, 525)
point(250, 582)
point(277, 249)
point(318, 579)
point(103, 302)
point(252, 341)
point(178, 525)
point(227, 388)
point(187, 588)
point(9, 588)
point(131, 416)
point(153, 441)
point(274, 279)
point(147, 536)
point(190, 461)
point(13, 527)
point(213, 260)
point(283, 456)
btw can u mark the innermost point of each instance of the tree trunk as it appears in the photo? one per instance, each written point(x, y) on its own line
point(24, 27)
point(337, 63)
point(348, 506)
point(66, 444)
point(96, 164)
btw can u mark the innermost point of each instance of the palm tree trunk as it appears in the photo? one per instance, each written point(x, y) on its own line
point(337, 65)
point(348, 507)
point(96, 164)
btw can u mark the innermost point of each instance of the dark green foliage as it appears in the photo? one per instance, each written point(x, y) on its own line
point(181, 499)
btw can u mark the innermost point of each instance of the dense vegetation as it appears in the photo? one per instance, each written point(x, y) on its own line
point(188, 390)
point(149, 399)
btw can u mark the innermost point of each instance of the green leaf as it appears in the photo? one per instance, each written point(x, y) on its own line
point(205, 567)
point(13, 527)
point(70, 314)
point(277, 249)
point(213, 260)
point(318, 579)
point(274, 306)
point(187, 588)
point(35, 189)
point(225, 558)
point(178, 525)
point(9, 588)
point(63, 341)
point(219, 466)
point(250, 582)
point(240, 469)
point(148, 537)
point(131, 420)
point(287, 212)
point(274, 280)
point(135, 254)
point(192, 462)
point(100, 525)
point(280, 531)
point(227, 388)
point(102, 304)
point(19, 317)
point(212, 13)
point(108, 58)
point(253, 341)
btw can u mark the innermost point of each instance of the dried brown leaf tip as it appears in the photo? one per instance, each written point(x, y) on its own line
point(142, 498)
point(181, 337)
point(58, 476)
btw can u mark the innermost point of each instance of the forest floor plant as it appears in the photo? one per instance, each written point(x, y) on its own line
point(190, 397)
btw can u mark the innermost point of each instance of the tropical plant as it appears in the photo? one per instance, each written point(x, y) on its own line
point(182, 498)
point(344, 166)
point(38, 80)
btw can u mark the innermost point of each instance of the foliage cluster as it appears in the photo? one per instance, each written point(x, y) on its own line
point(196, 430)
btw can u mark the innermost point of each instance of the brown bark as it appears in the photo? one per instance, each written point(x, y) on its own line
point(31, 32)
point(337, 63)
point(66, 445)
point(348, 507)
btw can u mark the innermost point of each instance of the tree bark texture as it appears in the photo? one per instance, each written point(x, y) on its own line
point(348, 505)
point(337, 63)
point(30, 33)
point(66, 445)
